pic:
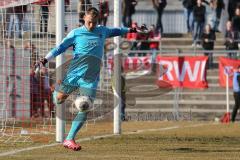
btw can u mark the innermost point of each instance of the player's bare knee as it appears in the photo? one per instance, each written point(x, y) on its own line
point(83, 103)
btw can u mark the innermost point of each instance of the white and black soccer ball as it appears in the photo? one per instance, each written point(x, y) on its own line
point(83, 103)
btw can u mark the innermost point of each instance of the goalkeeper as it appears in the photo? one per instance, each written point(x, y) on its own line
point(83, 73)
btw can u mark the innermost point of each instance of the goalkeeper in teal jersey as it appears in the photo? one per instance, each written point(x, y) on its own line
point(83, 73)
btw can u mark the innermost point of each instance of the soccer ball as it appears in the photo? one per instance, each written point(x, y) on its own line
point(83, 103)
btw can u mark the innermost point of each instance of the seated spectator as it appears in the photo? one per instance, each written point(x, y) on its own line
point(142, 38)
point(208, 39)
point(231, 38)
point(133, 37)
point(154, 37)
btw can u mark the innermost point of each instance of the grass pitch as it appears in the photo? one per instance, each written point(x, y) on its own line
point(139, 141)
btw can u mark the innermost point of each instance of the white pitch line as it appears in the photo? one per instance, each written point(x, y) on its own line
point(98, 137)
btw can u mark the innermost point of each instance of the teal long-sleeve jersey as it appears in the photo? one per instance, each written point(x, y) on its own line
point(88, 49)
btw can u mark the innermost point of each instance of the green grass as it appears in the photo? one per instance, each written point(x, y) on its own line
point(185, 142)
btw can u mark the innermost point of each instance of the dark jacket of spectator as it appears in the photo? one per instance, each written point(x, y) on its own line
point(211, 37)
point(189, 4)
point(159, 4)
point(128, 9)
point(231, 40)
point(20, 9)
point(199, 13)
point(232, 5)
point(236, 23)
point(220, 4)
point(129, 6)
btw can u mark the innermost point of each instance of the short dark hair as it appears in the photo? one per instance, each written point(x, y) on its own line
point(93, 12)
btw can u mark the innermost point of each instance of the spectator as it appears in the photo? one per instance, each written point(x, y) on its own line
point(232, 5)
point(20, 12)
point(236, 92)
point(45, 92)
point(236, 21)
point(132, 37)
point(44, 16)
point(159, 6)
point(34, 55)
point(14, 25)
point(66, 6)
point(208, 39)
point(83, 6)
point(34, 94)
point(10, 21)
point(211, 16)
point(231, 38)
point(199, 19)
point(142, 38)
point(188, 9)
point(103, 12)
point(155, 37)
point(123, 95)
point(128, 8)
point(219, 7)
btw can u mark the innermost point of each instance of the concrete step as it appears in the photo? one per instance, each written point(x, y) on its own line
point(184, 97)
point(186, 42)
point(187, 46)
point(188, 102)
point(193, 110)
point(134, 87)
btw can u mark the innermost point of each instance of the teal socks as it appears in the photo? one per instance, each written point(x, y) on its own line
point(77, 123)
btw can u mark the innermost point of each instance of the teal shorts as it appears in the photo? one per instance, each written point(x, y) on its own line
point(80, 91)
point(82, 76)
